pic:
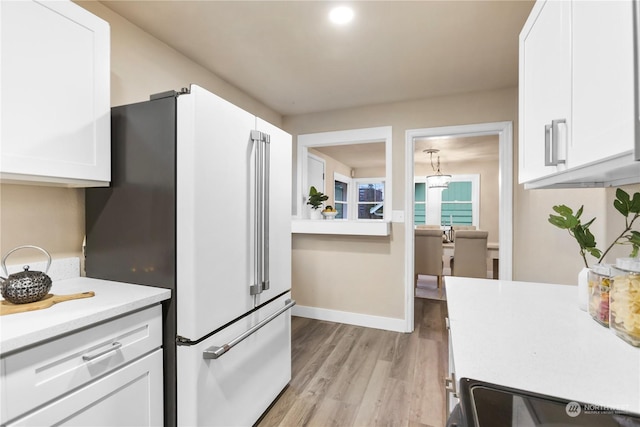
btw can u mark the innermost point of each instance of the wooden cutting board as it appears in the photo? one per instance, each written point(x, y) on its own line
point(7, 307)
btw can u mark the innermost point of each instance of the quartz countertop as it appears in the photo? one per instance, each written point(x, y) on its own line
point(111, 299)
point(533, 336)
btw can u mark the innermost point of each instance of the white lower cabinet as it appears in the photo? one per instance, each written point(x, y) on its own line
point(109, 374)
point(130, 396)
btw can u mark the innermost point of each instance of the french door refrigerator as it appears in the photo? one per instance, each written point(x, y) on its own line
point(200, 203)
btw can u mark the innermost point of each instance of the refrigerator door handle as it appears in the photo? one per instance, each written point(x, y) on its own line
point(256, 288)
point(267, 163)
point(215, 352)
point(261, 221)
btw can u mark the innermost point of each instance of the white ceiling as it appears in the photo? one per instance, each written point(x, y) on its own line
point(287, 55)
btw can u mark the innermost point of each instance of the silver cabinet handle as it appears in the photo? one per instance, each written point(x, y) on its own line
point(547, 145)
point(551, 143)
point(215, 352)
point(114, 346)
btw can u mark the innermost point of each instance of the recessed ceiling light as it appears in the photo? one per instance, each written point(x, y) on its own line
point(341, 15)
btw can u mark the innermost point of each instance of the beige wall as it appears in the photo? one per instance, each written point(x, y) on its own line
point(140, 65)
point(541, 252)
point(388, 271)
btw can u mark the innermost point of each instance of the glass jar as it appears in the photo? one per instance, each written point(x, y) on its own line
point(624, 297)
point(599, 286)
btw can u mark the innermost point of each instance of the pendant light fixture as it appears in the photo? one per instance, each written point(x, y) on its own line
point(437, 180)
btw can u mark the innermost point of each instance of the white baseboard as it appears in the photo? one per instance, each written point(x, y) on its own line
point(357, 319)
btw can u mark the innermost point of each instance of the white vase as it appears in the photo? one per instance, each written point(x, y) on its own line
point(583, 289)
point(315, 214)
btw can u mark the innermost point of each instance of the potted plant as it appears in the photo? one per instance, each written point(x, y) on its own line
point(315, 200)
point(628, 206)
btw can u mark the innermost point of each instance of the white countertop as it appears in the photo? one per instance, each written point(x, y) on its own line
point(533, 336)
point(111, 299)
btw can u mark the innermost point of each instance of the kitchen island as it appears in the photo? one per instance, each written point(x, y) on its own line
point(533, 337)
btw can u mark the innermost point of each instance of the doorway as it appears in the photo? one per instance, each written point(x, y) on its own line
point(315, 172)
point(504, 132)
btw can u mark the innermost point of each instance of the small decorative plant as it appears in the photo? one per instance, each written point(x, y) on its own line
point(316, 198)
point(628, 206)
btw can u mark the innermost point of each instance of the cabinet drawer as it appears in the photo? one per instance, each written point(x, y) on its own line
point(130, 396)
point(43, 372)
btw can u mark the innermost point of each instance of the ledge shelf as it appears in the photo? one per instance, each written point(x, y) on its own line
point(334, 226)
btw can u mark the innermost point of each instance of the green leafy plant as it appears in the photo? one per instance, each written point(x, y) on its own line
point(566, 220)
point(316, 198)
point(628, 206)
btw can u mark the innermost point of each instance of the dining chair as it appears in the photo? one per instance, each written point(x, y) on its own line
point(428, 254)
point(463, 227)
point(470, 254)
point(427, 227)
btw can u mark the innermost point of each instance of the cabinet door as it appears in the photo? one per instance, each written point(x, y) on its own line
point(545, 85)
point(603, 81)
point(54, 92)
point(130, 396)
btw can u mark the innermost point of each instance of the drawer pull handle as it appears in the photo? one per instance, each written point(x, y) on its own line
point(114, 346)
point(216, 351)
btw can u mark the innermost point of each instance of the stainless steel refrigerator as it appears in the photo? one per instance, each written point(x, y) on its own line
point(200, 203)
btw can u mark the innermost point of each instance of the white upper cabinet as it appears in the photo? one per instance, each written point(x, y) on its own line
point(54, 90)
point(578, 95)
point(545, 85)
point(603, 80)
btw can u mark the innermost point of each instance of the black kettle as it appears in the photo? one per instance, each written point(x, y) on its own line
point(25, 286)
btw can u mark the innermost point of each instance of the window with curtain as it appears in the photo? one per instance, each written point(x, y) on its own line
point(457, 204)
point(420, 206)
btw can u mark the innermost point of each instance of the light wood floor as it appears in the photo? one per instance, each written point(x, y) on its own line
point(345, 375)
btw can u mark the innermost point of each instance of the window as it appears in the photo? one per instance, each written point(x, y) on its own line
point(370, 200)
point(359, 198)
point(420, 206)
point(457, 205)
point(341, 195)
